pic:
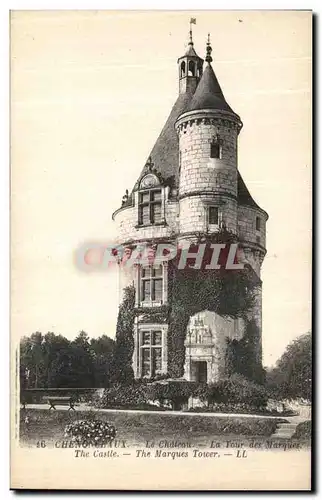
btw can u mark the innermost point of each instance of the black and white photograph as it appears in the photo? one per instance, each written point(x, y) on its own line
point(161, 240)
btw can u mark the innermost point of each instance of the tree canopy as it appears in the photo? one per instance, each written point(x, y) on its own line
point(292, 375)
point(54, 361)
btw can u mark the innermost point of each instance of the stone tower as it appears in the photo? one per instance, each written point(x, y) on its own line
point(190, 187)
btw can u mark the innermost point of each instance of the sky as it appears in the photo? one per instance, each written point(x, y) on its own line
point(90, 92)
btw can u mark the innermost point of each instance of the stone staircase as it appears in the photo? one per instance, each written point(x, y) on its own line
point(285, 431)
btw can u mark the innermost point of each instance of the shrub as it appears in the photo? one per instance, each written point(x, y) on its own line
point(203, 392)
point(177, 393)
point(237, 390)
point(90, 432)
point(119, 396)
point(303, 430)
point(140, 394)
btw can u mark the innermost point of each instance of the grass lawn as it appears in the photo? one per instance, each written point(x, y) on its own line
point(136, 429)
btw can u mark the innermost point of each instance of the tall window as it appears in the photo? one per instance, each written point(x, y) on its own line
point(150, 207)
point(151, 353)
point(215, 148)
point(258, 223)
point(213, 215)
point(151, 284)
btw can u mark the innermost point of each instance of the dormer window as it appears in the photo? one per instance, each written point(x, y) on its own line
point(150, 201)
point(216, 148)
point(150, 207)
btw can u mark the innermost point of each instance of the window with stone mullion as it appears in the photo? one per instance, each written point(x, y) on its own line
point(151, 353)
point(151, 282)
point(150, 207)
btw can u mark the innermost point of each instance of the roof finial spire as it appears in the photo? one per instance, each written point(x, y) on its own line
point(192, 21)
point(208, 50)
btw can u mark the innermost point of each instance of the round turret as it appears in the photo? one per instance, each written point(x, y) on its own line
point(208, 134)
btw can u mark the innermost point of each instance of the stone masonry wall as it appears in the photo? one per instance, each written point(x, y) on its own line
point(247, 225)
point(205, 180)
point(128, 230)
point(198, 171)
point(193, 213)
point(210, 347)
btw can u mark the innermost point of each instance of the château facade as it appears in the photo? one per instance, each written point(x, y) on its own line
point(190, 186)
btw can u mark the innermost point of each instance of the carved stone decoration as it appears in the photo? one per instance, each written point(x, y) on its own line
point(149, 181)
point(125, 197)
point(149, 164)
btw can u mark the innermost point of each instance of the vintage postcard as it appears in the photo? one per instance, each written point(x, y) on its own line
point(161, 250)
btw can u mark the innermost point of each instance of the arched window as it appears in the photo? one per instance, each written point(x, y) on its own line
point(191, 68)
point(182, 69)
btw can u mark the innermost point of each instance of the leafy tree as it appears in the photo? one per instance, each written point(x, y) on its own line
point(292, 375)
point(81, 362)
point(122, 364)
point(102, 351)
point(32, 365)
point(54, 361)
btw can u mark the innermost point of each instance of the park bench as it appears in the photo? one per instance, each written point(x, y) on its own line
point(60, 400)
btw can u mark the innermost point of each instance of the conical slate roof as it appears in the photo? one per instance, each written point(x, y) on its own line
point(209, 94)
point(244, 196)
point(165, 153)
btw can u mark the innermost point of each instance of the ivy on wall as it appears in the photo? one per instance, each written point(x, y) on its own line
point(158, 315)
point(241, 355)
point(229, 293)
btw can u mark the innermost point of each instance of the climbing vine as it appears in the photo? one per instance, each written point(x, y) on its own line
point(241, 355)
point(194, 291)
point(229, 293)
point(158, 315)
